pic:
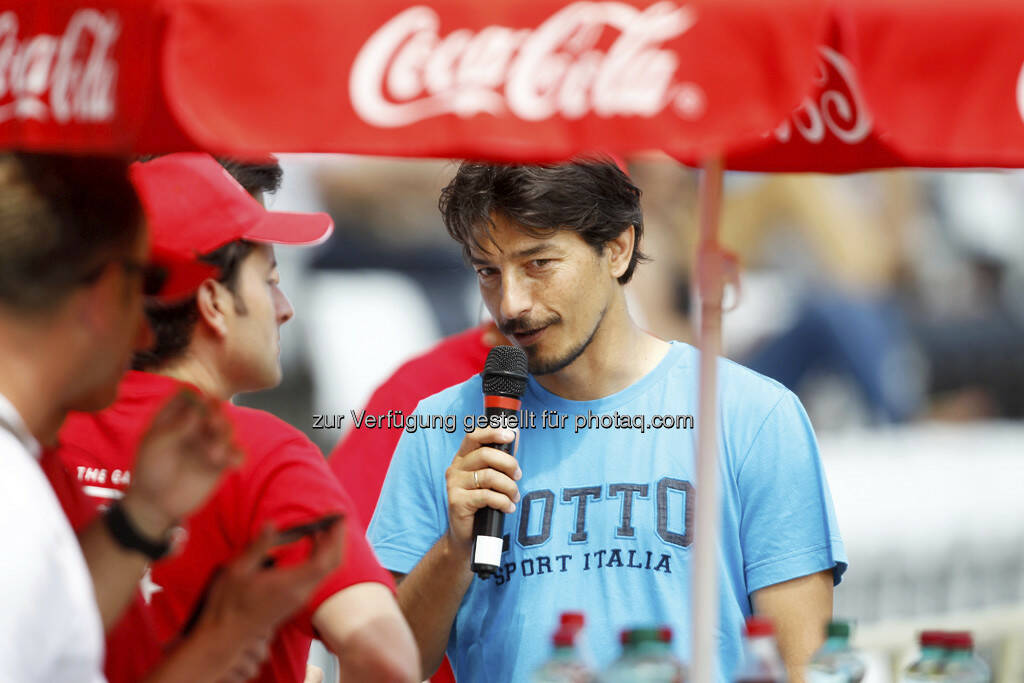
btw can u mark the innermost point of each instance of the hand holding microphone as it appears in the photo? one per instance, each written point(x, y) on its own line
point(481, 480)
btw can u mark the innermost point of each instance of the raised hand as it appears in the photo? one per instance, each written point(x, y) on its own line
point(480, 477)
point(179, 462)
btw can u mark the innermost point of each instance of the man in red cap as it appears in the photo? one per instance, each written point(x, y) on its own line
point(73, 266)
point(223, 340)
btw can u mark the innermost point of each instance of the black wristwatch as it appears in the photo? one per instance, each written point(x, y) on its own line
point(129, 538)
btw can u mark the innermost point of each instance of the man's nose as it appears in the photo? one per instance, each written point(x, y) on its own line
point(283, 307)
point(516, 296)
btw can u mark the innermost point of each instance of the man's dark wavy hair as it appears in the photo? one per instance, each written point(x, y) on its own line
point(173, 324)
point(592, 197)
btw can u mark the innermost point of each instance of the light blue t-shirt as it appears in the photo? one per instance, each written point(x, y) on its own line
point(605, 523)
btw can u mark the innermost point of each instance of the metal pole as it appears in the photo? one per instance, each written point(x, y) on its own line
point(710, 267)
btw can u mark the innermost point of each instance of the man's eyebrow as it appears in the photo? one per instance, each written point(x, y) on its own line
point(532, 251)
point(521, 254)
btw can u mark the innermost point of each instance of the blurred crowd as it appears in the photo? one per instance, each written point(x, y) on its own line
point(881, 298)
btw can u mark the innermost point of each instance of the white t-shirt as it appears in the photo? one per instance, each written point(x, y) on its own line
point(50, 625)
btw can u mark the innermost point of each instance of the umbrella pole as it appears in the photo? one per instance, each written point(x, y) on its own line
point(711, 271)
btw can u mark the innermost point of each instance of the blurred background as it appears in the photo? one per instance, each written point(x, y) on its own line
point(892, 303)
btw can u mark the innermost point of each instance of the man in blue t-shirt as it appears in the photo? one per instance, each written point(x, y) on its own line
point(601, 497)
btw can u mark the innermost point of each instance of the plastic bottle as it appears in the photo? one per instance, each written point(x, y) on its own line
point(575, 622)
point(761, 660)
point(930, 665)
point(962, 664)
point(646, 658)
point(836, 661)
point(565, 664)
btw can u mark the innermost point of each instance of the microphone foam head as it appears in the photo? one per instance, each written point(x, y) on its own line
point(505, 371)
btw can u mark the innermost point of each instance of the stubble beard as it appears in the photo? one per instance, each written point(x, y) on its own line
point(538, 366)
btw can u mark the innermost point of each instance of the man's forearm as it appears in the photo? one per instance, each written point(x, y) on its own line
point(430, 596)
point(115, 571)
point(363, 625)
point(800, 608)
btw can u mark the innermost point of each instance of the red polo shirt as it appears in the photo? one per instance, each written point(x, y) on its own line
point(284, 481)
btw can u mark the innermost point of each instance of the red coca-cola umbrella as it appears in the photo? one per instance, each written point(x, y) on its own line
point(509, 80)
point(907, 84)
point(705, 80)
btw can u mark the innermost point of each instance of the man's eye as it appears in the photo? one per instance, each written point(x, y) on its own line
point(485, 272)
point(541, 262)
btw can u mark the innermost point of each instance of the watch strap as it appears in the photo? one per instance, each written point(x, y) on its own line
point(130, 538)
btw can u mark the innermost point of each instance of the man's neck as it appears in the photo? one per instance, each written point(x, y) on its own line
point(619, 355)
point(30, 379)
point(202, 375)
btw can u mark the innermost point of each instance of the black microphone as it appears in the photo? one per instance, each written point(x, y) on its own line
point(504, 381)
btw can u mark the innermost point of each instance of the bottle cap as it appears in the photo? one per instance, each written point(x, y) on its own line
point(759, 626)
point(574, 620)
point(959, 640)
point(665, 634)
point(932, 639)
point(838, 629)
point(636, 636)
point(564, 637)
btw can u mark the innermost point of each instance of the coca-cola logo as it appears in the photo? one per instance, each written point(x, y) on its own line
point(70, 77)
point(407, 72)
point(837, 108)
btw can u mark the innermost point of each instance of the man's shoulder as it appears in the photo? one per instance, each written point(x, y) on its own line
point(740, 383)
point(259, 431)
point(742, 392)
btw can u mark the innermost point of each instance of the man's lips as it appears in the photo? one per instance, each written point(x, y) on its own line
point(527, 337)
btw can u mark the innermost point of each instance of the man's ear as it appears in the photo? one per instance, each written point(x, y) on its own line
point(213, 300)
point(620, 251)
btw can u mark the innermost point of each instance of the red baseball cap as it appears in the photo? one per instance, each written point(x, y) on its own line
point(194, 206)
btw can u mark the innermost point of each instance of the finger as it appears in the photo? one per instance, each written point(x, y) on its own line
point(494, 459)
point(485, 435)
point(494, 480)
point(251, 559)
point(246, 669)
point(328, 547)
point(173, 421)
point(471, 501)
point(324, 558)
point(175, 407)
point(258, 652)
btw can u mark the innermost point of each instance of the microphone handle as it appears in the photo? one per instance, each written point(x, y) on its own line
point(488, 523)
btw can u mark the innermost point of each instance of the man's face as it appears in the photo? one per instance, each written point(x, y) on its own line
point(121, 328)
point(253, 345)
point(548, 295)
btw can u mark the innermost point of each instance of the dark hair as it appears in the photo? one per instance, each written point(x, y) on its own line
point(263, 177)
point(173, 324)
point(62, 218)
point(592, 197)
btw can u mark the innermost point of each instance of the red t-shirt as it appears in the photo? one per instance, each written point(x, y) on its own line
point(284, 481)
point(361, 459)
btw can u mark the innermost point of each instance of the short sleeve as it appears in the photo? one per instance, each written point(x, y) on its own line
point(787, 527)
point(292, 485)
point(411, 512)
